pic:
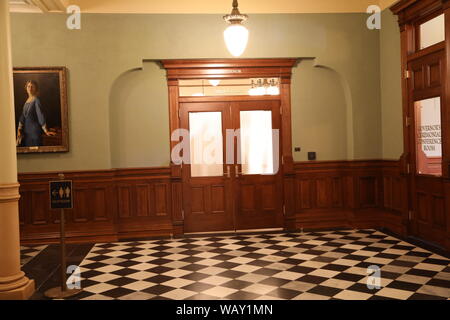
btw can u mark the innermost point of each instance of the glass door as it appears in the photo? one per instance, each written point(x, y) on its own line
point(231, 174)
point(207, 184)
point(427, 213)
point(258, 181)
point(427, 114)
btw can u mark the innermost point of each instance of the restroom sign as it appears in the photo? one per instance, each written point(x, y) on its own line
point(61, 194)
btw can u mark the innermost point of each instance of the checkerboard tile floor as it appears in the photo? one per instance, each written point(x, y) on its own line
point(27, 253)
point(311, 266)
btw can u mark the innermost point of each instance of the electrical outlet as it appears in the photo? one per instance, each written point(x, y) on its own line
point(312, 156)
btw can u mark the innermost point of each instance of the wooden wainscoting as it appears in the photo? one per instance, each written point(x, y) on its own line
point(395, 198)
point(143, 202)
point(94, 210)
point(346, 194)
point(137, 203)
point(108, 205)
point(447, 205)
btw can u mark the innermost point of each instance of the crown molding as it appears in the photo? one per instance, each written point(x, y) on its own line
point(22, 6)
point(38, 5)
point(385, 4)
point(223, 6)
point(199, 6)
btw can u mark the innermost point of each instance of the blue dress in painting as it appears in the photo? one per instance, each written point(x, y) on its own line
point(32, 121)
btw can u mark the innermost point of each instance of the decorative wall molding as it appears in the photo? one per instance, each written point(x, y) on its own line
point(9, 193)
point(220, 7)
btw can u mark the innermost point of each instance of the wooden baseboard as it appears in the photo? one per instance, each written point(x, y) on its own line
point(54, 237)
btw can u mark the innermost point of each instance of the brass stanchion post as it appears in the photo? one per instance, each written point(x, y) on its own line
point(62, 291)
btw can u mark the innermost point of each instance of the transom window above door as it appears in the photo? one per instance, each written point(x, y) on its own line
point(229, 87)
point(431, 32)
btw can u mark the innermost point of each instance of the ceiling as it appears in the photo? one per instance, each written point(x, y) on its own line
point(198, 6)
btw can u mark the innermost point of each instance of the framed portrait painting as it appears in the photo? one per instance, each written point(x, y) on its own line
point(40, 102)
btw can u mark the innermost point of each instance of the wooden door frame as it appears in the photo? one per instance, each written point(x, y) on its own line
point(411, 13)
point(184, 69)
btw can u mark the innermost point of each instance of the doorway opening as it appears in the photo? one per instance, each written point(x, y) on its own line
point(238, 147)
point(233, 180)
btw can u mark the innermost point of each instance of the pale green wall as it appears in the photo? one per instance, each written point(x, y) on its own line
point(139, 118)
point(319, 113)
point(391, 97)
point(119, 115)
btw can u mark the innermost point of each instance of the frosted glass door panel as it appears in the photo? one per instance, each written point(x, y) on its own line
point(206, 144)
point(429, 137)
point(432, 32)
point(256, 142)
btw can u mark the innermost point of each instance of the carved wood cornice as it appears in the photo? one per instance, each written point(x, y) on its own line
point(411, 10)
point(228, 68)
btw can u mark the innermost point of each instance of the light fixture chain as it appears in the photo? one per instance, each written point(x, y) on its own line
point(236, 35)
point(235, 17)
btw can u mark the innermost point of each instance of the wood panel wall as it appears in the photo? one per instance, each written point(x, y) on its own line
point(139, 203)
point(350, 194)
point(108, 205)
point(447, 206)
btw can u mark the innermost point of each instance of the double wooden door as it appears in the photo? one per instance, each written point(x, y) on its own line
point(231, 173)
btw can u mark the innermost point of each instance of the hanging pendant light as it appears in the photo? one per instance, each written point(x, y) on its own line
point(236, 35)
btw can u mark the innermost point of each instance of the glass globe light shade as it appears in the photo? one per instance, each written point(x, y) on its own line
point(273, 90)
point(253, 92)
point(260, 91)
point(214, 82)
point(236, 39)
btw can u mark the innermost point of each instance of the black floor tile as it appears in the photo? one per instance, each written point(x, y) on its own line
point(44, 268)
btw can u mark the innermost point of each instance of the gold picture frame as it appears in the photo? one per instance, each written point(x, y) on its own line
point(41, 109)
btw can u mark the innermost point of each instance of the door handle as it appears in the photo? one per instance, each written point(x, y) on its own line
point(228, 174)
point(236, 168)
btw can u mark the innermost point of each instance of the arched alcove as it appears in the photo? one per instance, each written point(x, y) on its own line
point(139, 118)
point(321, 113)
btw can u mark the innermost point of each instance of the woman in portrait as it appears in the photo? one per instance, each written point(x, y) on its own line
point(32, 122)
